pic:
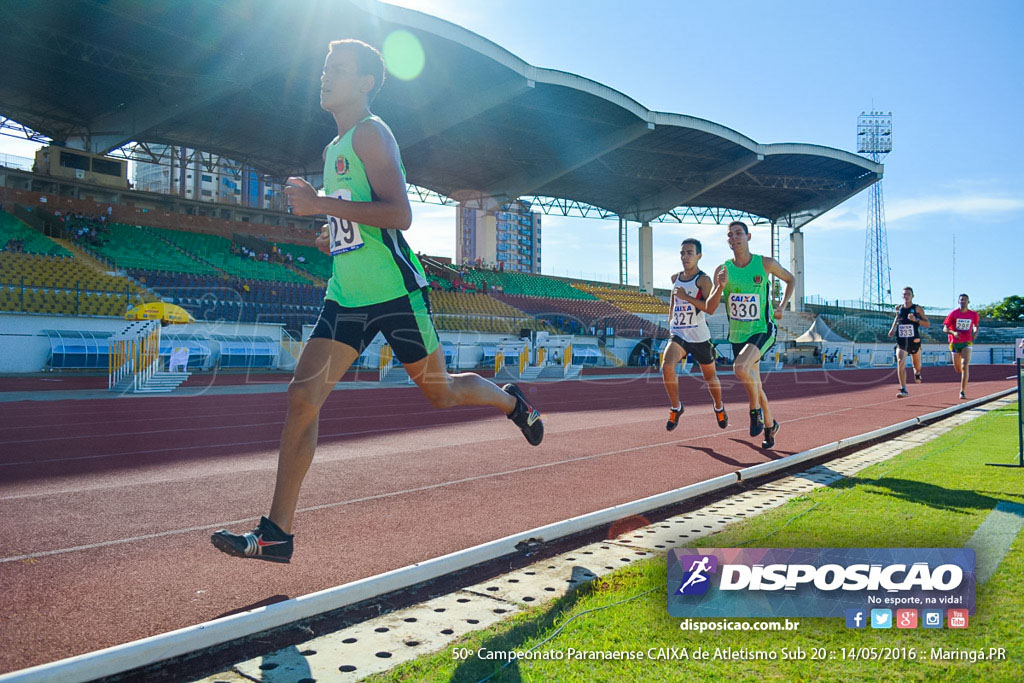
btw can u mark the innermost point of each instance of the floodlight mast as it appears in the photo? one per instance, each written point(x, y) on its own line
point(874, 139)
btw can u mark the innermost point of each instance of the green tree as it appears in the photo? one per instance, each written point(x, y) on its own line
point(1010, 309)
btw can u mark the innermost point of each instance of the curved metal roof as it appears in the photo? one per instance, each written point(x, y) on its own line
point(242, 80)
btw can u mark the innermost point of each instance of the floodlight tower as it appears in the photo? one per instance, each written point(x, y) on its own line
point(874, 138)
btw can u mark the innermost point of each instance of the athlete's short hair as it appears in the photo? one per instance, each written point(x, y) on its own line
point(908, 289)
point(743, 225)
point(694, 242)
point(964, 296)
point(369, 62)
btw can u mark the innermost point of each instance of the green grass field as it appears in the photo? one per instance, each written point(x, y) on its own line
point(935, 495)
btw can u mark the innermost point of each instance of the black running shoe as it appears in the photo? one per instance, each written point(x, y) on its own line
point(265, 542)
point(756, 422)
point(722, 418)
point(769, 435)
point(963, 396)
point(525, 416)
point(673, 417)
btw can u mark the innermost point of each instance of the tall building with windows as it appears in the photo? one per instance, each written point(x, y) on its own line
point(206, 177)
point(508, 238)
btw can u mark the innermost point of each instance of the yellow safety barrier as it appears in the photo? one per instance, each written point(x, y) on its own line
point(387, 354)
point(133, 354)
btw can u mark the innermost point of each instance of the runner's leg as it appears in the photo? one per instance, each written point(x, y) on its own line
point(320, 367)
point(445, 391)
point(966, 364)
point(669, 359)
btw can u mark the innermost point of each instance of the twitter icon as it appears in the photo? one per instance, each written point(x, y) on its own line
point(881, 618)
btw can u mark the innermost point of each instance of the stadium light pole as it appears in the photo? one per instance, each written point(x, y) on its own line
point(874, 139)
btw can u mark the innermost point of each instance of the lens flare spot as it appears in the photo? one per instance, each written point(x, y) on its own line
point(403, 55)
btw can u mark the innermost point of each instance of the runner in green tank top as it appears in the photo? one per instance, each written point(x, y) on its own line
point(377, 285)
point(743, 284)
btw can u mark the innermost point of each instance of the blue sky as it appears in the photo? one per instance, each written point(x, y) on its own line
point(800, 71)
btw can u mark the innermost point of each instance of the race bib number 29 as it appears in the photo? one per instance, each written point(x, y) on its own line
point(963, 324)
point(344, 234)
point(744, 307)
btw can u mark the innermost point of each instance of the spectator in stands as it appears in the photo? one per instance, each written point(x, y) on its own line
point(377, 285)
point(961, 326)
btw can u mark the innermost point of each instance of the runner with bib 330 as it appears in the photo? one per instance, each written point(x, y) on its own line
point(742, 283)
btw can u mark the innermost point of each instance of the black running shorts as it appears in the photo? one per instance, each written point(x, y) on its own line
point(763, 342)
point(909, 344)
point(404, 322)
point(703, 353)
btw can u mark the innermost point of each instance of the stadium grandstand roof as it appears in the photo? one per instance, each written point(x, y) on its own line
point(242, 79)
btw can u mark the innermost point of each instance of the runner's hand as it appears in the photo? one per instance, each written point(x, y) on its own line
point(911, 317)
point(323, 240)
point(302, 196)
point(721, 277)
point(777, 312)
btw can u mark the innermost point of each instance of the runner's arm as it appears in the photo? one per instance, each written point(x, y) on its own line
point(922, 318)
point(720, 280)
point(704, 284)
point(774, 268)
point(389, 209)
point(892, 330)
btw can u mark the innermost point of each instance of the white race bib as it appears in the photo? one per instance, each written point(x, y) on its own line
point(745, 307)
point(343, 234)
point(905, 331)
point(963, 324)
point(683, 316)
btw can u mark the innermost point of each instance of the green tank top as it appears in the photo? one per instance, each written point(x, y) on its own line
point(747, 300)
point(371, 265)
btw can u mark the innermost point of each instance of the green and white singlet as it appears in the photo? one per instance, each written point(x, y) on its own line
point(747, 299)
point(371, 265)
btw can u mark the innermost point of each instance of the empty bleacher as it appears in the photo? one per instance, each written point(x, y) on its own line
point(31, 241)
point(33, 283)
point(208, 296)
point(215, 251)
point(524, 284)
point(133, 246)
point(580, 316)
point(479, 313)
point(625, 297)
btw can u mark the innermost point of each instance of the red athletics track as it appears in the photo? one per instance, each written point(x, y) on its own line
point(107, 504)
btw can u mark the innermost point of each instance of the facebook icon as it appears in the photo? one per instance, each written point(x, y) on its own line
point(856, 618)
